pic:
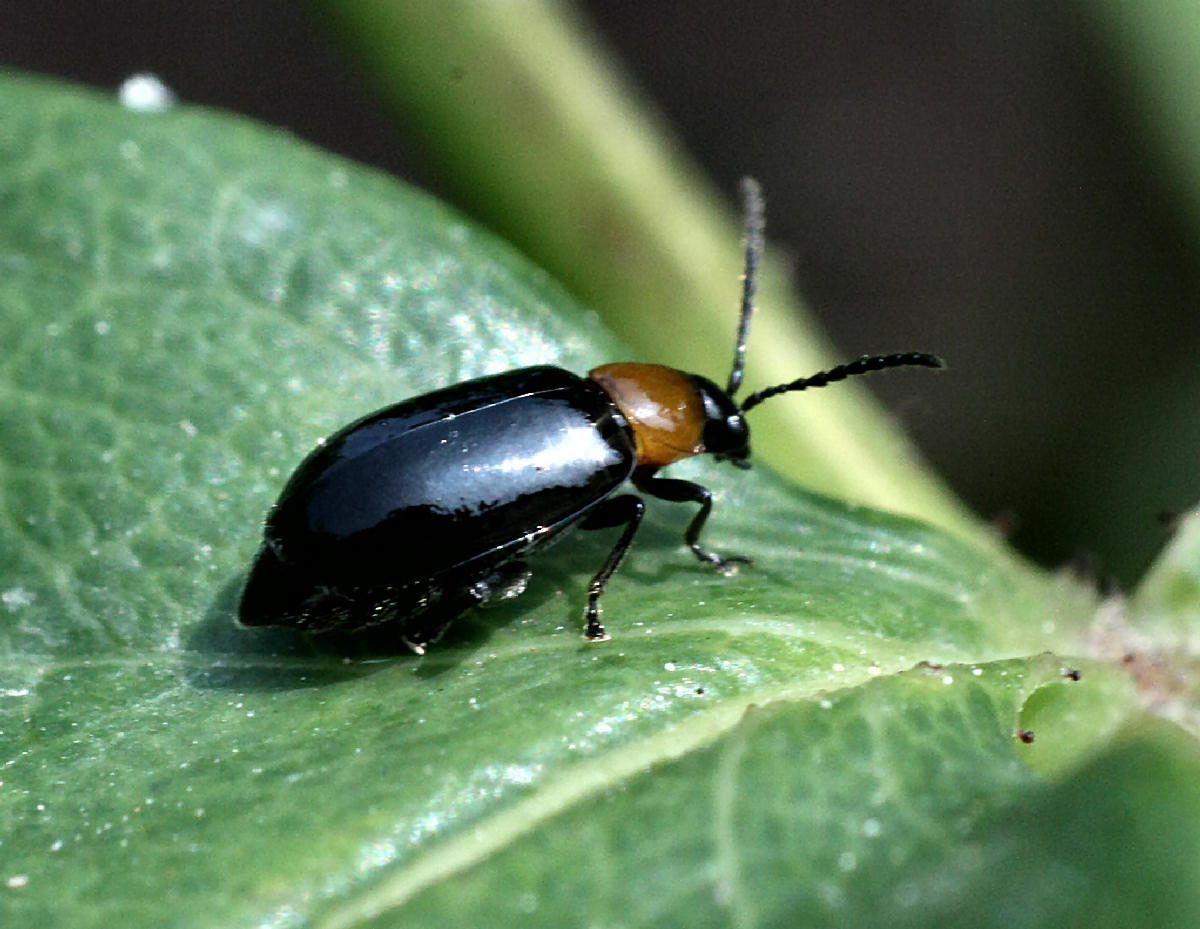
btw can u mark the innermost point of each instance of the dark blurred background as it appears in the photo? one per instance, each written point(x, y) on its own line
point(965, 177)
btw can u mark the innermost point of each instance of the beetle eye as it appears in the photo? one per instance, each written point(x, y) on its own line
point(727, 437)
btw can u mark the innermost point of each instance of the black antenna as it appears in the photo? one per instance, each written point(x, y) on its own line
point(752, 204)
point(864, 365)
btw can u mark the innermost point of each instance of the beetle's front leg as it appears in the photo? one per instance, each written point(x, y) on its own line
point(626, 509)
point(678, 491)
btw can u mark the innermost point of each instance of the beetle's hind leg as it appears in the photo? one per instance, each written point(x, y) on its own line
point(431, 622)
point(507, 581)
point(626, 509)
point(678, 491)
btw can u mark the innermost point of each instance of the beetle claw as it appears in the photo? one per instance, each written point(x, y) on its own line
point(729, 564)
point(593, 629)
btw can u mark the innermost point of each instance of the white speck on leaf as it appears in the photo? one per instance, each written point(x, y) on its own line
point(145, 93)
point(17, 597)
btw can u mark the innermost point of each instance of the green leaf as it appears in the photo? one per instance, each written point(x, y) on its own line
point(188, 303)
point(932, 819)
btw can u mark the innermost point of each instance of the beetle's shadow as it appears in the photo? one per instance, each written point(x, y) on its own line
point(230, 656)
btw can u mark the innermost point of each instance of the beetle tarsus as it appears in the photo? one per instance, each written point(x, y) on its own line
point(726, 564)
point(594, 629)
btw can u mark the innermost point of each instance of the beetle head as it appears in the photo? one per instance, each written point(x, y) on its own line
point(726, 436)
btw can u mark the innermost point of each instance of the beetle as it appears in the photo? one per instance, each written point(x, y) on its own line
point(420, 510)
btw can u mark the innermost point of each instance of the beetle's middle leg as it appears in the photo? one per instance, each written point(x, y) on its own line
point(626, 509)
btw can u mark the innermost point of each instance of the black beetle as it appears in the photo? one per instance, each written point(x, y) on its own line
point(425, 508)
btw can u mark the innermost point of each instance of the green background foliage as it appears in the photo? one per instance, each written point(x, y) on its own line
point(188, 302)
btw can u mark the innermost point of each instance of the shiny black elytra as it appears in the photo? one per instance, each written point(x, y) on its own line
point(423, 509)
